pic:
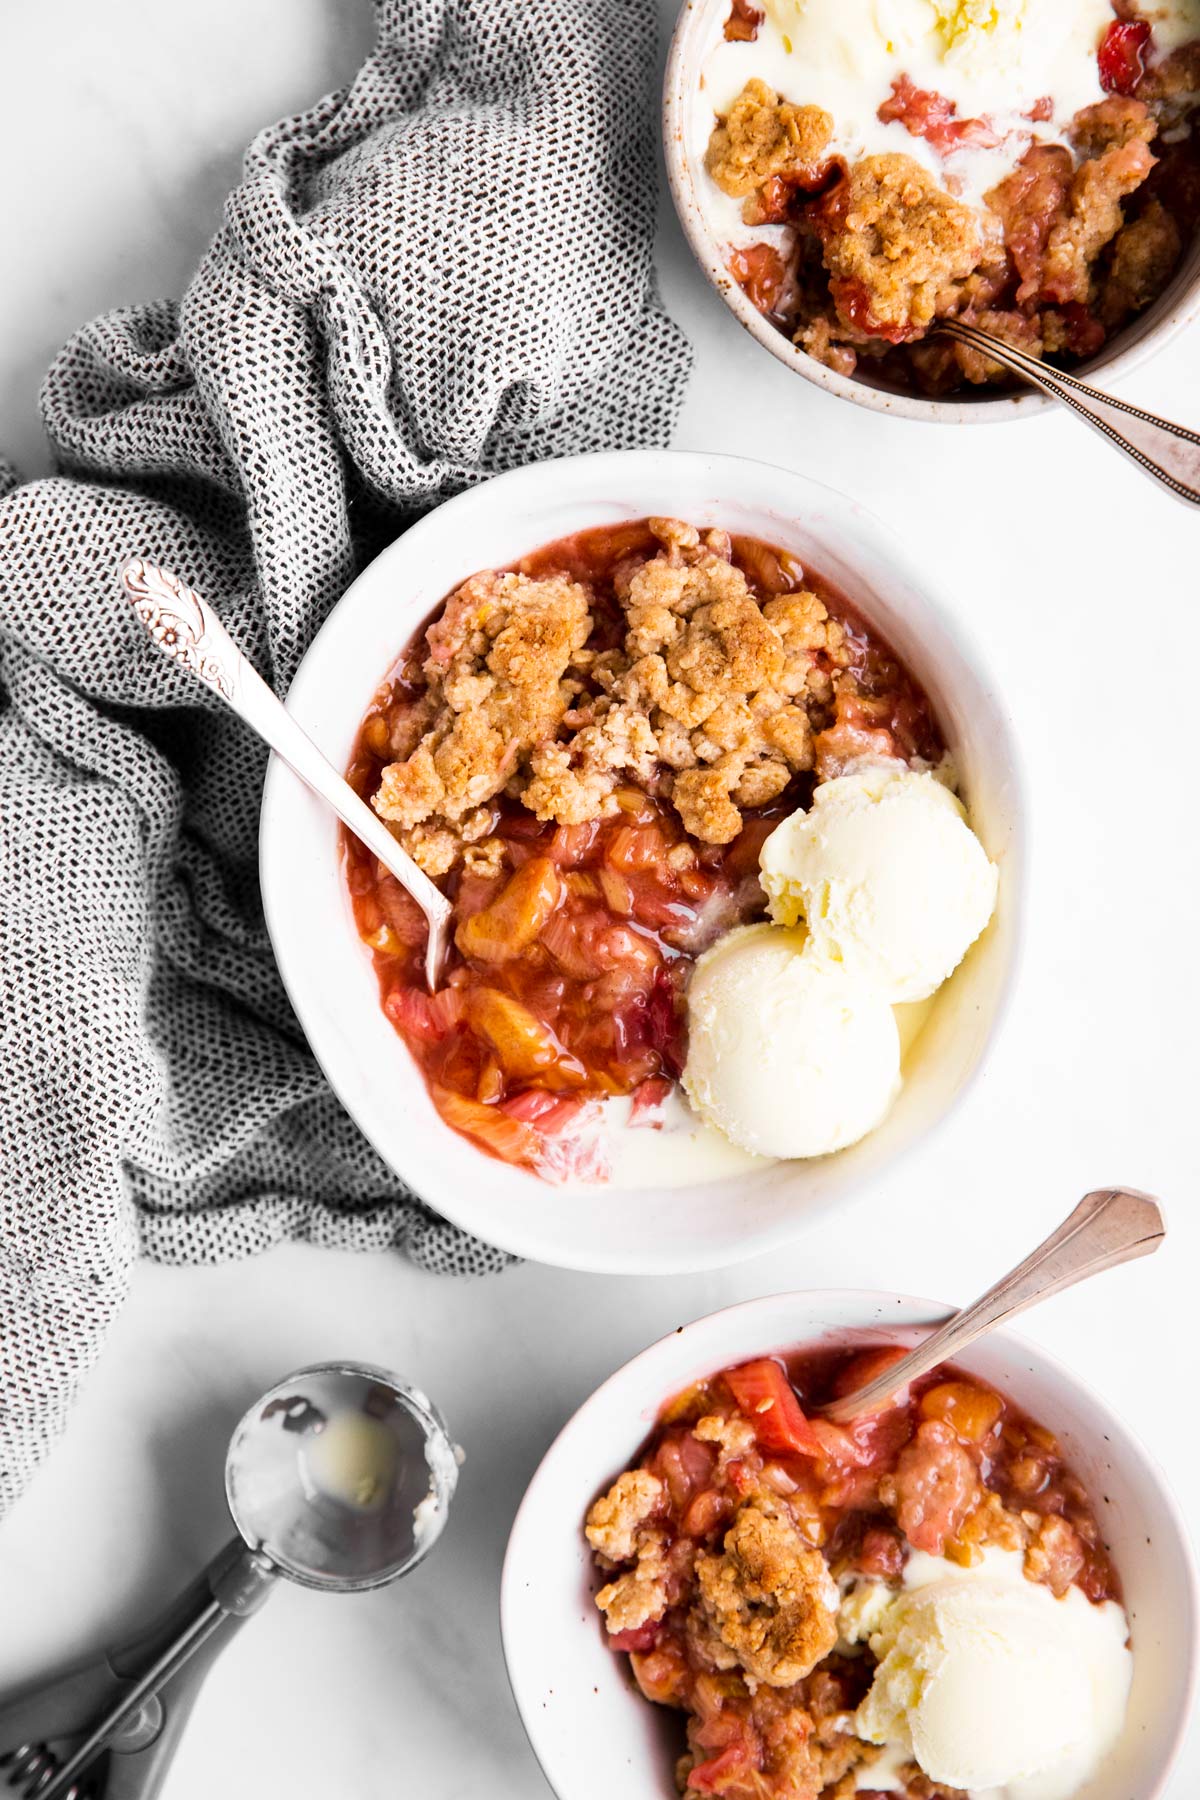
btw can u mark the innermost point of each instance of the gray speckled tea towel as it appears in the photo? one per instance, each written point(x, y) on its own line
point(439, 272)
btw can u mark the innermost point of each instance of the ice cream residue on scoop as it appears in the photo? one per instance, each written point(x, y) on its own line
point(992, 1684)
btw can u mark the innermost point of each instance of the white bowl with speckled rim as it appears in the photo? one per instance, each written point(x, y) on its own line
point(328, 970)
point(686, 127)
point(594, 1734)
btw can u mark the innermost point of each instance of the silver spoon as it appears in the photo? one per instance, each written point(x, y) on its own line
point(340, 1478)
point(1170, 453)
point(186, 627)
point(1109, 1226)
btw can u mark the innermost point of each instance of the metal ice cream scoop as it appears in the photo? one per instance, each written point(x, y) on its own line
point(339, 1478)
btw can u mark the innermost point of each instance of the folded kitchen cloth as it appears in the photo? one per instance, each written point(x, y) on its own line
point(439, 272)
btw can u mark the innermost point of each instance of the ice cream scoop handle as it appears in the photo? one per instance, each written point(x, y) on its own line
point(1109, 1226)
point(234, 1586)
point(1168, 452)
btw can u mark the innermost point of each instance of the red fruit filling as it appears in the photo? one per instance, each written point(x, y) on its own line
point(572, 948)
point(715, 1552)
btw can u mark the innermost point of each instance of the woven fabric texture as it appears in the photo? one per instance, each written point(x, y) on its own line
point(438, 272)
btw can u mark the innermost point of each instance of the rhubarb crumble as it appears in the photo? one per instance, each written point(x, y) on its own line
point(758, 1565)
point(587, 752)
point(1029, 166)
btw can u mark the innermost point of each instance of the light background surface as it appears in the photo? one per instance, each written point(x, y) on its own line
point(122, 129)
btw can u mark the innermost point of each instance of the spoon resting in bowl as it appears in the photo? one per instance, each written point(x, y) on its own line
point(186, 627)
point(1169, 453)
point(1109, 1226)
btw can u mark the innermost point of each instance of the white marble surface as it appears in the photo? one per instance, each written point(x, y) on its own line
point(1079, 581)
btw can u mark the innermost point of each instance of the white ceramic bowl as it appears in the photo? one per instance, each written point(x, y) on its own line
point(593, 1733)
point(687, 124)
point(328, 971)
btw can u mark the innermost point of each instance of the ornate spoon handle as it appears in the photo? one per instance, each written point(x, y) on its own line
point(1170, 453)
point(186, 627)
point(1109, 1226)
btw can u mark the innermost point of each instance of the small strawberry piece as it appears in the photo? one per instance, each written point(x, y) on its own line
point(641, 1638)
point(402, 913)
point(1085, 333)
point(708, 1510)
point(759, 272)
point(662, 1673)
point(932, 116)
point(841, 1451)
point(764, 1393)
point(551, 1113)
point(571, 843)
point(646, 1107)
point(937, 1485)
point(664, 1023)
point(1123, 56)
point(686, 1466)
point(881, 1553)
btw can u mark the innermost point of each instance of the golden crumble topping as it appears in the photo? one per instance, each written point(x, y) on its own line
point(1094, 217)
point(768, 1599)
point(1144, 254)
point(707, 699)
point(642, 1593)
point(497, 657)
point(613, 1522)
point(761, 137)
point(894, 244)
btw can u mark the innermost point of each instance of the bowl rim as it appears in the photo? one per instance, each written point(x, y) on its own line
point(1021, 1345)
point(1026, 403)
point(500, 1225)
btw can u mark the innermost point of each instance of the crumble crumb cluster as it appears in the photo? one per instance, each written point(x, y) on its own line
point(710, 697)
point(762, 137)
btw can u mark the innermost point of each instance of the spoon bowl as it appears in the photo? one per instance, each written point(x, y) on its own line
point(341, 1477)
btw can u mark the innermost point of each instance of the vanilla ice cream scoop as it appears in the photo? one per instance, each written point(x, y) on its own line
point(889, 878)
point(991, 1683)
point(787, 1056)
point(987, 56)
